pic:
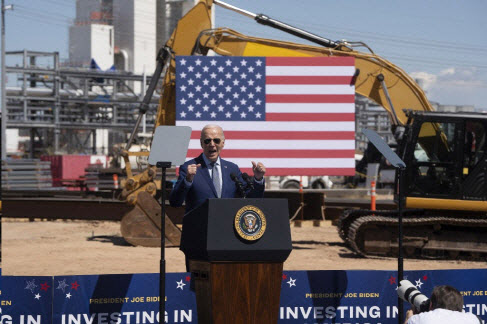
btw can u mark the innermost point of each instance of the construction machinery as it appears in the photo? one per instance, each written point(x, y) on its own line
point(445, 192)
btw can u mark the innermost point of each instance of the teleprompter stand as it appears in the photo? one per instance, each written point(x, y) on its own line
point(169, 147)
point(236, 280)
point(399, 164)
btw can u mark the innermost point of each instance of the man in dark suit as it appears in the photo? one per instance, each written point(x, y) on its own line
point(209, 176)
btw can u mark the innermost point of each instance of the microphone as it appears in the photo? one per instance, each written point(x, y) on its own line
point(249, 180)
point(240, 188)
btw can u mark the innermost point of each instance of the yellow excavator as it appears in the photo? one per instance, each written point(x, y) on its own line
point(445, 190)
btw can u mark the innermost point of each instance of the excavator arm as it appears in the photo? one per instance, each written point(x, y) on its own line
point(376, 78)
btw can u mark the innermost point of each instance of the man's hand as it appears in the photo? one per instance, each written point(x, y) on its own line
point(409, 313)
point(192, 168)
point(259, 170)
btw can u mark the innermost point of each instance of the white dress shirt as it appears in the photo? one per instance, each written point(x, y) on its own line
point(443, 316)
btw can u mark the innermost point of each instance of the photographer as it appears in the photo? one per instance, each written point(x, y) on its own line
point(445, 307)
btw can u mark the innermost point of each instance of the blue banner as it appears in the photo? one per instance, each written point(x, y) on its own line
point(122, 299)
point(369, 296)
point(306, 297)
point(26, 300)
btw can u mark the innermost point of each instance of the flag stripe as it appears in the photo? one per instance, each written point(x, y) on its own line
point(309, 70)
point(311, 107)
point(298, 162)
point(271, 126)
point(282, 153)
point(310, 117)
point(309, 89)
point(265, 144)
point(302, 171)
point(310, 79)
point(310, 61)
point(317, 98)
point(259, 135)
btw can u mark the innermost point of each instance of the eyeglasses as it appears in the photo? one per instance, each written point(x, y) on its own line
point(215, 140)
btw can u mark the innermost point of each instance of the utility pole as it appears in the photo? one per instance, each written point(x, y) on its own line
point(3, 77)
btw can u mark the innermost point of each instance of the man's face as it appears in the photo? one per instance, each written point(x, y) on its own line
point(210, 148)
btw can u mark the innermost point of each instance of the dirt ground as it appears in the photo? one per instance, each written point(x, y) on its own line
point(49, 248)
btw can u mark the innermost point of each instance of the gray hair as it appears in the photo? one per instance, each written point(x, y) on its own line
point(211, 126)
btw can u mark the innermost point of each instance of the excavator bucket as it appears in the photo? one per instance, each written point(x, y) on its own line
point(142, 225)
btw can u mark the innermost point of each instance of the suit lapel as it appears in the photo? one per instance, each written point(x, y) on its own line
point(206, 173)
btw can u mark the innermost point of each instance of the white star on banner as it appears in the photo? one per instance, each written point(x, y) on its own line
point(180, 284)
point(37, 296)
point(291, 282)
point(418, 283)
point(68, 295)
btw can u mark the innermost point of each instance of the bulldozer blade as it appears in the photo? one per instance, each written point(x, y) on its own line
point(142, 225)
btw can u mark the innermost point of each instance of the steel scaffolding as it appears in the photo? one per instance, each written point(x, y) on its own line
point(66, 104)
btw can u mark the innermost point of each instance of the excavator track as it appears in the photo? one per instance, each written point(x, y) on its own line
point(351, 215)
point(443, 237)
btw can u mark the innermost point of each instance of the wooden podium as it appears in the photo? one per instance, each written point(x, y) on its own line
point(236, 249)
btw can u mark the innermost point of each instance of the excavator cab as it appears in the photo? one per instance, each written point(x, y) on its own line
point(445, 157)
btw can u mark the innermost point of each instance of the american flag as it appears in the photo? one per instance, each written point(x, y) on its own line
point(296, 115)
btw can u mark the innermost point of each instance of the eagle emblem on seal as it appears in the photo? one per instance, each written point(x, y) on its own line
point(250, 223)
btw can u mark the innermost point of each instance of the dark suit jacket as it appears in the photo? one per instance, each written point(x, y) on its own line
point(203, 188)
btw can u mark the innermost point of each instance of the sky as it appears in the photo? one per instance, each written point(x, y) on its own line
point(442, 42)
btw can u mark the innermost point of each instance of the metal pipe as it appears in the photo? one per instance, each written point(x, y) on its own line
point(266, 20)
point(236, 9)
point(4, 99)
point(400, 261)
point(163, 61)
point(395, 120)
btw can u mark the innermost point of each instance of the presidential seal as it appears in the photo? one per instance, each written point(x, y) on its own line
point(250, 223)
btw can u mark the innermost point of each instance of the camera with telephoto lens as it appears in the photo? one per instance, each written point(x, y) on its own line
point(409, 293)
